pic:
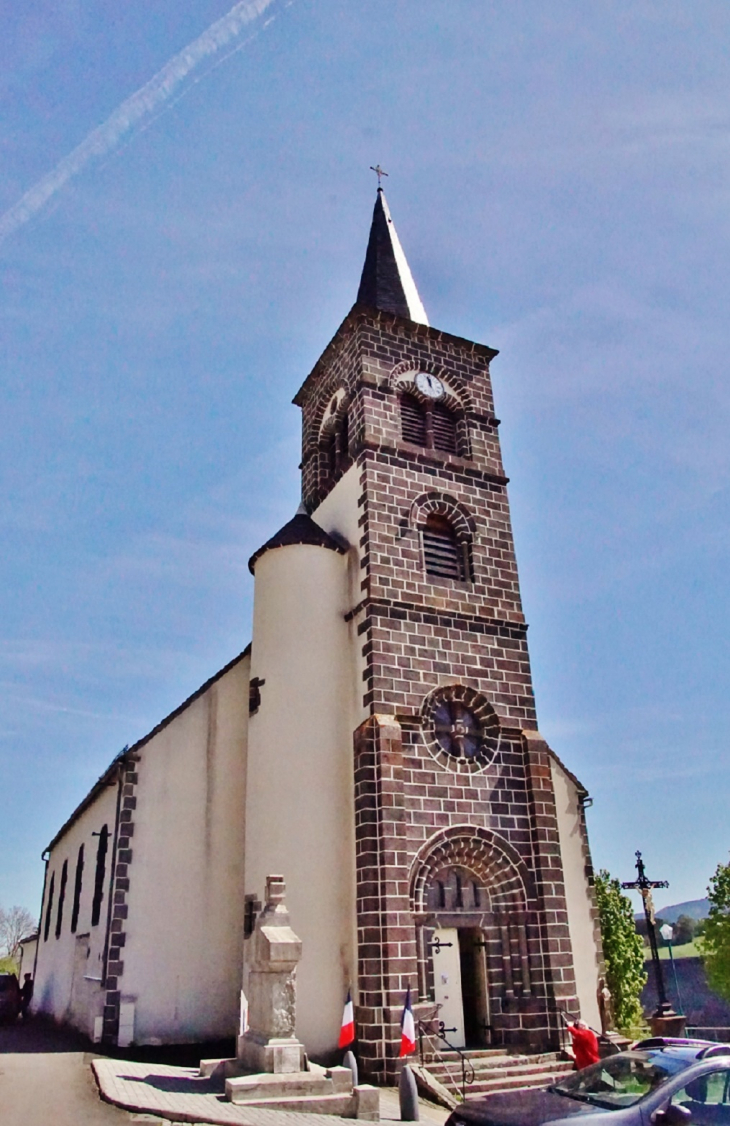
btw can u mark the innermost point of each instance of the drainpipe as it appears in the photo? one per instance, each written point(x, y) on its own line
point(45, 856)
point(113, 872)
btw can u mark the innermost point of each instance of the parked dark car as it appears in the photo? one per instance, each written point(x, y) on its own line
point(9, 997)
point(657, 1082)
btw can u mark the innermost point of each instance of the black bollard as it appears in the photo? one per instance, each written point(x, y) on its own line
point(348, 1060)
point(408, 1095)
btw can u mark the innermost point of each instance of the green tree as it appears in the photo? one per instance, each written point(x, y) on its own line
point(685, 929)
point(623, 952)
point(715, 942)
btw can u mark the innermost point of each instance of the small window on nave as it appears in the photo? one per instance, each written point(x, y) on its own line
point(49, 907)
point(77, 889)
point(444, 555)
point(61, 898)
point(101, 851)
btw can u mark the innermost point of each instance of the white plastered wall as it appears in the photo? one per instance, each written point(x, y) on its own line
point(27, 957)
point(338, 514)
point(577, 894)
point(68, 981)
point(300, 801)
point(182, 960)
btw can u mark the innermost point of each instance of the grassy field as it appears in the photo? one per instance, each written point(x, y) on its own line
point(688, 950)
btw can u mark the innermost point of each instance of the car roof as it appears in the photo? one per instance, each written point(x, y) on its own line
point(687, 1048)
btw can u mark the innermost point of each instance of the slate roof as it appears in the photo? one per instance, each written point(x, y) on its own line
point(300, 529)
point(387, 283)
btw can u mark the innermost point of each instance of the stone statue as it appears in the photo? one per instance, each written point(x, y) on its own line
point(604, 1006)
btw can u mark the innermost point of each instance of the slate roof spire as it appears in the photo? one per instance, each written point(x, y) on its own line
point(387, 282)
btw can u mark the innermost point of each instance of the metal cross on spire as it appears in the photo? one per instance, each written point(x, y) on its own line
point(644, 887)
point(379, 172)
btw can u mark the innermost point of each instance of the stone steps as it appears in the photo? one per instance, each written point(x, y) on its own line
point(513, 1082)
point(317, 1091)
point(504, 1064)
point(498, 1070)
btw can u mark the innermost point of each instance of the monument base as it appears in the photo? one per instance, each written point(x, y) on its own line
point(317, 1091)
point(279, 1056)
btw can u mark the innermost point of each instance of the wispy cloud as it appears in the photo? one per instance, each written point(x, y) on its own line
point(148, 100)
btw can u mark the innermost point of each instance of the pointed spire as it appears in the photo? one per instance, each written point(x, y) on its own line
point(387, 282)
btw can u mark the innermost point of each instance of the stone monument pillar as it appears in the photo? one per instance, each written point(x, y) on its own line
point(270, 1043)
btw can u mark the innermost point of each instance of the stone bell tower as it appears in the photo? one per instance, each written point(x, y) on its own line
point(459, 858)
point(396, 775)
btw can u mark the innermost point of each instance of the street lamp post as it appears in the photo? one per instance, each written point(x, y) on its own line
point(667, 933)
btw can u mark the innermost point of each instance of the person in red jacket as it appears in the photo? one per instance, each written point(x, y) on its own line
point(585, 1044)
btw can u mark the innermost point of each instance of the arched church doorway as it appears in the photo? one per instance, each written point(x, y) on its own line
point(469, 899)
point(458, 962)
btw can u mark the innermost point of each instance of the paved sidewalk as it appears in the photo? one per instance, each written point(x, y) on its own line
point(178, 1094)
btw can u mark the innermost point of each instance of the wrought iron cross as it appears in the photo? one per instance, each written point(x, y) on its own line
point(379, 172)
point(644, 887)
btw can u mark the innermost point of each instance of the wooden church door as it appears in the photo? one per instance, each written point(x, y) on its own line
point(446, 960)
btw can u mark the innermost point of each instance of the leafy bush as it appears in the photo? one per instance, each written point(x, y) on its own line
point(623, 952)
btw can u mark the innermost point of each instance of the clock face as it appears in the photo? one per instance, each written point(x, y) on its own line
point(429, 385)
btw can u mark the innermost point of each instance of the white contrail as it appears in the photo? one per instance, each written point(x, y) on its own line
point(145, 101)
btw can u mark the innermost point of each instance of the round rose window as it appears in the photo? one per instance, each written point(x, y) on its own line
point(460, 728)
point(458, 732)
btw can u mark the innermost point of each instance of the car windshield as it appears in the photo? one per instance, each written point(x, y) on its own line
point(621, 1080)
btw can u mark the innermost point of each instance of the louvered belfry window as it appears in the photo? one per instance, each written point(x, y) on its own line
point(443, 426)
point(412, 420)
point(443, 554)
point(431, 425)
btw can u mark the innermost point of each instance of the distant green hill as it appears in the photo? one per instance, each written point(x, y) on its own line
point(693, 908)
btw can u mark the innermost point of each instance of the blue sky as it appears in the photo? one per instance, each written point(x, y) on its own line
point(558, 176)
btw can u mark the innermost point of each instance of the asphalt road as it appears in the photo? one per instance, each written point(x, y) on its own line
point(45, 1080)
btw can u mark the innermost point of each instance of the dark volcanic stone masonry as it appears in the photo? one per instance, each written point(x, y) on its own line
point(423, 815)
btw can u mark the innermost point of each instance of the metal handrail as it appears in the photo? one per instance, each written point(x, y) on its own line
point(468, 1075)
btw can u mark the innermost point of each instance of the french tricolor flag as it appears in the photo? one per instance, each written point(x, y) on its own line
point(407, 1028)
point(347, 1031)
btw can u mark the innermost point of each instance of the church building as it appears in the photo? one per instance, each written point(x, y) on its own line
point(376, 745)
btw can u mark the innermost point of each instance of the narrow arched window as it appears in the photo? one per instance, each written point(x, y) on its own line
point(335, 446)
point(61, 898)
point(99, 875)
point(332, 456)
point(77, 889)
point(343, 443)
point(412, 420)
point(445, 557)
point(49, 907)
